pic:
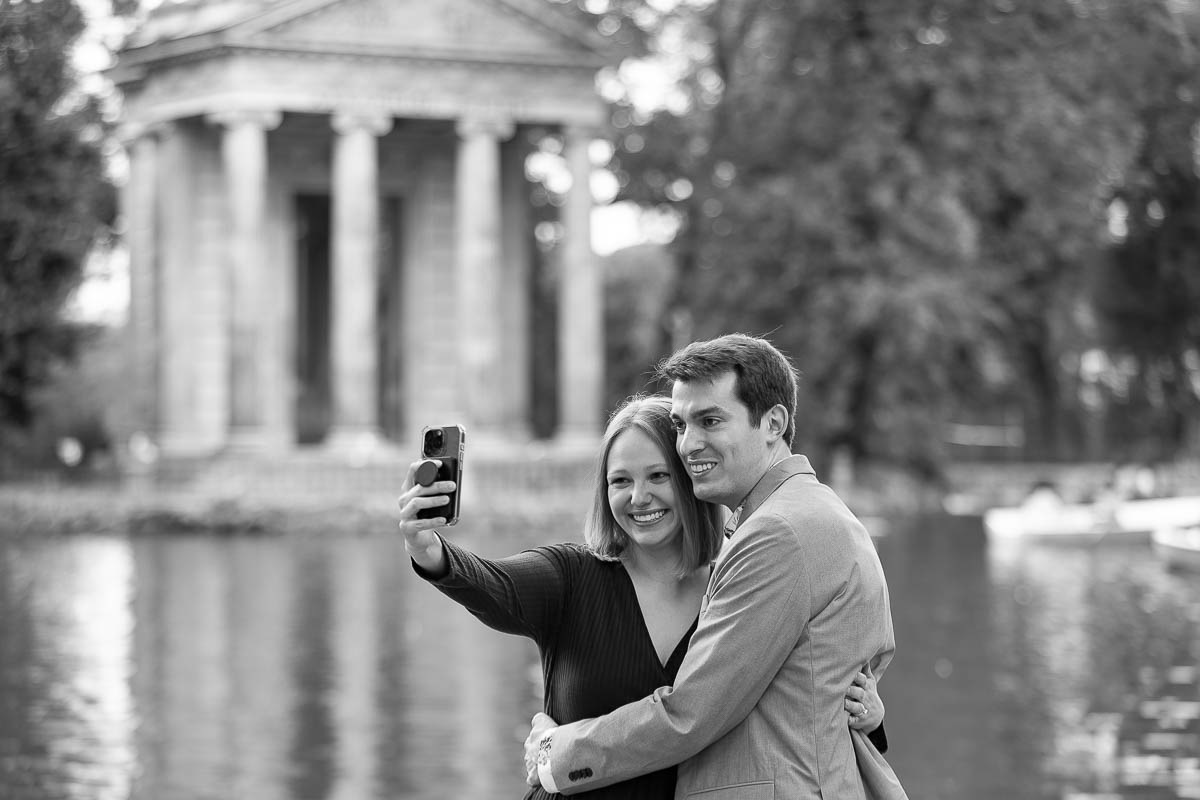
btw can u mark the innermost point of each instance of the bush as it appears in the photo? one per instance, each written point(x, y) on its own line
point(70, 432)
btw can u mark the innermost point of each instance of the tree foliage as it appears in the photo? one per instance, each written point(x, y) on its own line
point(1147, 290)
point(909, 197)
point(54, 195)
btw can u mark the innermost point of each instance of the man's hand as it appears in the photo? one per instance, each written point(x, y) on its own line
point(864, 703)
point(542, 725)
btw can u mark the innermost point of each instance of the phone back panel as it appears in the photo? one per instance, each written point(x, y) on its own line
point(446, 443)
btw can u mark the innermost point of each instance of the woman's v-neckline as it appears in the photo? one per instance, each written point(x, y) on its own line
point(680, 647)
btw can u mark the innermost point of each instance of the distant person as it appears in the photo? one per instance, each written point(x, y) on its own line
point(612, 618)
point(1043, 496)
point(1145, 483)
point(796, 606)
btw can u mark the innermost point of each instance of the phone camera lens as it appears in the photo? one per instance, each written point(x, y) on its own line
point(434, 442)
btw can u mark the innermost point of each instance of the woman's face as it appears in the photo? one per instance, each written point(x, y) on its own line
point(640, 493)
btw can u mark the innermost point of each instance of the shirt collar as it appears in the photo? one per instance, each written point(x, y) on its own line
point(771, 480)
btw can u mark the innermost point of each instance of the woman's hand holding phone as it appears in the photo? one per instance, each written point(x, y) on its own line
point(421, 541)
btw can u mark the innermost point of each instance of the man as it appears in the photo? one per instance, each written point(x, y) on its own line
point(796, 606)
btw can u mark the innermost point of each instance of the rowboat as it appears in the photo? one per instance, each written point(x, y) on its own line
point(1179, 547)
point(1046, 519)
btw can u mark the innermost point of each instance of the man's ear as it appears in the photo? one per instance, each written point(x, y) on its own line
point(775, 422)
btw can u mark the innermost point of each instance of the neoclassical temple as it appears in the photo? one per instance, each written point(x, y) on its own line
point(328, 219)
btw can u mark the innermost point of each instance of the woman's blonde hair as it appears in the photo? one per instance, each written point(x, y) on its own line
point(701, 521)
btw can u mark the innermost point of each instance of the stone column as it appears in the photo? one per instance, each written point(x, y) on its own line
point(477, 201)
point(516, 298)
point(176, 292)
point(580, 302)
point(355, 279)
point(139, 214)
point(244, 156)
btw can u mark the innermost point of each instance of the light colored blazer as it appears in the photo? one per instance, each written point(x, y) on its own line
point(796, 605)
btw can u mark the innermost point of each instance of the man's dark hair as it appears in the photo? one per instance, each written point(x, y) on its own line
point(764, 376)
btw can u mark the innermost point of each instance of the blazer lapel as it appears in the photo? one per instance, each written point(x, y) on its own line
point(771, 480)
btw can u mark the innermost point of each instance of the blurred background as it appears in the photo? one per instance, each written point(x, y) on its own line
point(250, 247)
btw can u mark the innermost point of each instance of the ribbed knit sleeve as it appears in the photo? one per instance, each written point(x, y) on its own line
point(878, 738)
point(582, 611)
point(522, 594)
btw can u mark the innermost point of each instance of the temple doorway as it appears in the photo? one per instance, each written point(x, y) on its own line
point(314, 412)
point(391, 394)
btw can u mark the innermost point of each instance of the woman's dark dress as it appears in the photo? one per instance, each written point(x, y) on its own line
point(583, 613)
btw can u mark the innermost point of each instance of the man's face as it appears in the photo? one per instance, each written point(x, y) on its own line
point(725, 454)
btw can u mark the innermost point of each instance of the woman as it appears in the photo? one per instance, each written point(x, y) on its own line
point(612, 617)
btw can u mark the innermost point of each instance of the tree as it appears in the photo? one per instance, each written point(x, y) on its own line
point(905, 196)
point(1147, 290)
point(55, 198)
point(638, 282)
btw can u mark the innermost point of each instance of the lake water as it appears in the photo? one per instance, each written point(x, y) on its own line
point(194, 667)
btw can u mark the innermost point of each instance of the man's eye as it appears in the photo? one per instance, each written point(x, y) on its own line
point(711, 422)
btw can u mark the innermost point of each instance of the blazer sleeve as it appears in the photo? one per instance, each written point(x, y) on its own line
point(521, 594)
point(757, 608)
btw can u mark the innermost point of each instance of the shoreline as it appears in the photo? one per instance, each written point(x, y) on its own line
point(49, 508)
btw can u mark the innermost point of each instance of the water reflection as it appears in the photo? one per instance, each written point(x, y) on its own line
point(319, 667)
point(66, 702)
point(214, 651)
point(1024, 669)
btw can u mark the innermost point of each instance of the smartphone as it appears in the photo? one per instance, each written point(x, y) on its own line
point(447, 444)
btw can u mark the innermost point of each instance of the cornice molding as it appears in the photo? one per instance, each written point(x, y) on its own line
point(266, 119)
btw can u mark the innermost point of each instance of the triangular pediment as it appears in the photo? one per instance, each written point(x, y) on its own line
point(408, 58)
point(472, 29)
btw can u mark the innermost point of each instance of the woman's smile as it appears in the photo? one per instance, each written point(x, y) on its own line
point(648, 517)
